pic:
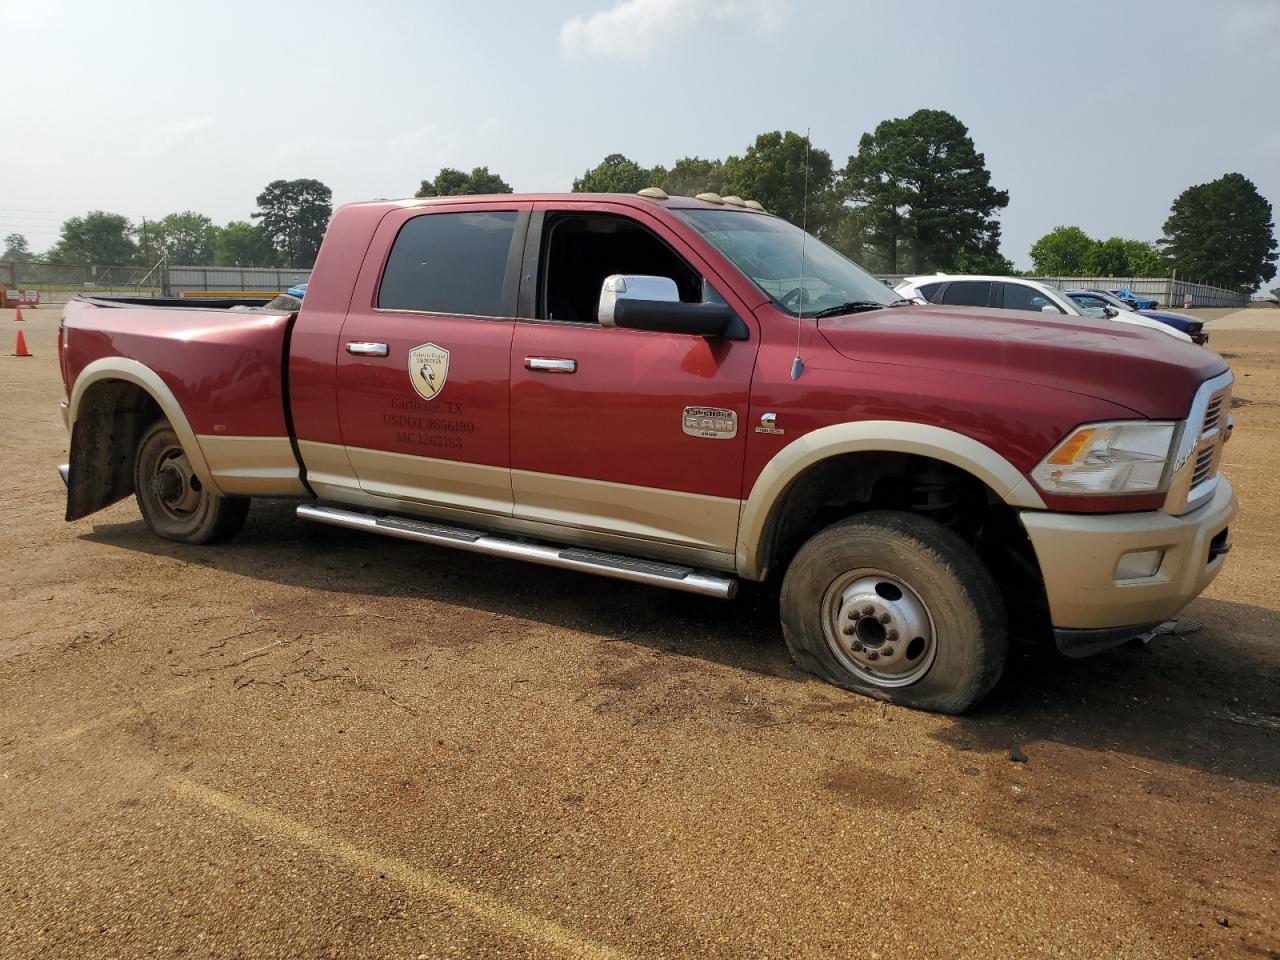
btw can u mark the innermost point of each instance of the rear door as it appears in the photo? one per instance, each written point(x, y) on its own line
point(422, 369)
point(633, 433)
point(966, 293)
point(1019, 296)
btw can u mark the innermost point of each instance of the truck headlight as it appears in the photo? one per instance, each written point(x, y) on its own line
point(1104, 458)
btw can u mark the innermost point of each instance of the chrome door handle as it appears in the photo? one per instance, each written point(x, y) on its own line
point(550, 365)
point(365, 349)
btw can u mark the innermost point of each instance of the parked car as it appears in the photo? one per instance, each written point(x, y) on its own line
point(1014, 293)
point(1093, 299)
point(683, 393)
point(1137, 301)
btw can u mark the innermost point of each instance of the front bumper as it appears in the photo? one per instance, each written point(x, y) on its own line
point(1078, 554)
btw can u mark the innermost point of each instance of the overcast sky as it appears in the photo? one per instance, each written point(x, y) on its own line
point(1095, 112)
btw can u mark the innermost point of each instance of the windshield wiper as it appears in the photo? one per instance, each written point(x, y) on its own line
point(855, 306)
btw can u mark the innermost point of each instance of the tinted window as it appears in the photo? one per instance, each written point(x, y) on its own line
point(928, 290)
point(583, 249)
point(1087, 301)
point(1018, 297)
point(449, 263)
point(968, 293)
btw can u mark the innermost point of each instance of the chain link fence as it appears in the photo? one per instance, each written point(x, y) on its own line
point(58, 283)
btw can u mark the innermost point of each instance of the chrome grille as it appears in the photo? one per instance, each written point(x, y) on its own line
point(1212, 436)
point(1204, 464)
point(1199, 455)
point(1213, 413)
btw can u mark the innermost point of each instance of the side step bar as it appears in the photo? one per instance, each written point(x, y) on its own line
point(654, 572)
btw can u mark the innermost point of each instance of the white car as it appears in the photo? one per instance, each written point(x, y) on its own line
point(1014, 293)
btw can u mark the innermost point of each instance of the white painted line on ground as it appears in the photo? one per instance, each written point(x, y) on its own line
point(490, 910)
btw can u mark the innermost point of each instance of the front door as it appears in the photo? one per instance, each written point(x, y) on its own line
point(631, 433)
point(422, 371)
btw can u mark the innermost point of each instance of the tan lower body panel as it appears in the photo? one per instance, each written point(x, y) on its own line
point(547, 532)
point(662, 524)
point(252, 466)
point(646, 513)
point(329, 471)
point(476, 487)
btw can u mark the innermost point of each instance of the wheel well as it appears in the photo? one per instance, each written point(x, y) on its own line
point(110, 419)
point(852, 483)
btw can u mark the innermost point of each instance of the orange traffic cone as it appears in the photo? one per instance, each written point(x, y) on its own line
point(17, 312)
point(20, 348)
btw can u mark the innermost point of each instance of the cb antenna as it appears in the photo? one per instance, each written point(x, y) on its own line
point(797, 365)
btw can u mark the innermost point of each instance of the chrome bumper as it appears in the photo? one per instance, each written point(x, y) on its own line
point(1078, 554)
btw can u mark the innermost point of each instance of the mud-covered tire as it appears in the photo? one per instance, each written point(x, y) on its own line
point(173, 502)
point(884, 573)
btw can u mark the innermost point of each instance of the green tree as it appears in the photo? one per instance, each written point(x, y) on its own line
point(1145, 259)
point(926, 188)
point(186, 238)
point(1107, 258)
point(617, 174)
point(454, 183)
point(773, 171)
point(294, 214)
point(16, 249)
point(984, 259)
point(1222, 233)
point(190, 238)
point(691, 176)
point(1061, 252)
point(96, 238)
point(242, 244)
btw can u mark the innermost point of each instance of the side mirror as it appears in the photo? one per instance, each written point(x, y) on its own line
point(1110, 311)
point(635, 302)
point(1049, 308)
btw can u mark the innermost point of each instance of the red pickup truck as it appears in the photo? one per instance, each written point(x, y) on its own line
point(684, 393)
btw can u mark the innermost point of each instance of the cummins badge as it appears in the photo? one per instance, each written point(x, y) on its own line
point(428, 369)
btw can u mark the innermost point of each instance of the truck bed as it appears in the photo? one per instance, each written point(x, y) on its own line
point(225, 367)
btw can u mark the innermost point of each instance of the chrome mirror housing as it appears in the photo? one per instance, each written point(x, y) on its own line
point(633, 287)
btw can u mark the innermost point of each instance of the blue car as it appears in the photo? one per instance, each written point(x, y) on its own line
point(1192, 327)
point(1138, 303)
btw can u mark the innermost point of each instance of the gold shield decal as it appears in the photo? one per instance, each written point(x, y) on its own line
point(428, 369)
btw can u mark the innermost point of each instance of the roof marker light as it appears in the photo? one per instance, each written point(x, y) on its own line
point(754, 205)
point(653, 193)
point(734, 201)
point(709, 197)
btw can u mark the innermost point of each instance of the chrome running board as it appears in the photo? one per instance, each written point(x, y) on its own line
point(654, 572)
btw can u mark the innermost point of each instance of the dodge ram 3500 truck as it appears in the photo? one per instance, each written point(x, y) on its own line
point(685, 393)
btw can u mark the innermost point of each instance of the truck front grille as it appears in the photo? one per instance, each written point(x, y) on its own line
point(1209, 445)
point(1199, 455)
point(1204, 465)
point(1213, 413)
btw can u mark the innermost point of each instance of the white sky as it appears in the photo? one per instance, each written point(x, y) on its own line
point(1096, 112)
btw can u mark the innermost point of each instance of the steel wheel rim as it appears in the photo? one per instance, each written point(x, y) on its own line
point(174, 485)
point(879, 628)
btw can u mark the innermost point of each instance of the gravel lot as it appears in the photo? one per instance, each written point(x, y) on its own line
point(311, 743)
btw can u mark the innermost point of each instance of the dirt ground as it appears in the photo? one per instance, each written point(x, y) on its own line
point(313, 743)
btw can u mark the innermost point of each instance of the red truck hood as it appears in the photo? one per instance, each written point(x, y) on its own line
point(1150, 373)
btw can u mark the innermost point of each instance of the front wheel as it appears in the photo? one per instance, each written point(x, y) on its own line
point(173, 501)
point(897, 607)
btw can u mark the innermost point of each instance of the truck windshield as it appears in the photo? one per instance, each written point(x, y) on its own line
point(767, 250)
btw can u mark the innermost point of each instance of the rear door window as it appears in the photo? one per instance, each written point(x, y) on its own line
point(451, 263)
point(967, 293)
point(1019, 297)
